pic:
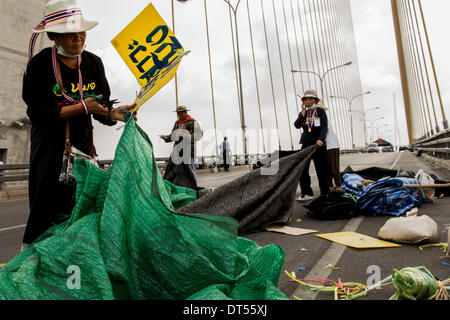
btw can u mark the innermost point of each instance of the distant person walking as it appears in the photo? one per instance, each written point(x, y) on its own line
point(225, 150)
point(314, 122)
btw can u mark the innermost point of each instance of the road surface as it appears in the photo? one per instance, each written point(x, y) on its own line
point(307, 252)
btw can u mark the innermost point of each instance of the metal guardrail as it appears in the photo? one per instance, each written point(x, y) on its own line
point(13, 172)
point(19, 172)
point(438, 145)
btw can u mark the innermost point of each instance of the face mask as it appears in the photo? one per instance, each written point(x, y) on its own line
point(64, 53)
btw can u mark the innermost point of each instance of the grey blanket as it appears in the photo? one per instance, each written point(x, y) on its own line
point(259, 199)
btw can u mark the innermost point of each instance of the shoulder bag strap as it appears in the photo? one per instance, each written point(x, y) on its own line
point(57, 72)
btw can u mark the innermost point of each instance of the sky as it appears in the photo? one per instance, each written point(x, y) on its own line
point(377, 57)
point(378, 61)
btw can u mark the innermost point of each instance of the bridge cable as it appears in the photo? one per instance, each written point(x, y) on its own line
point(419, 68)
point(343, 56)
point(296, 45)
point(432, 62)
point(235, 63)
point(327, 57)
point(211, 78)
point(176, 76)
point(270, 73)
point(417, 123)
point(332, 61)
point(339, 76)
point(425, 66)
point(413, 74)
point(309, 44)
point(290, 56)
point(256, 78)
point(340, 120)
point(303, 45)
point(282, 73)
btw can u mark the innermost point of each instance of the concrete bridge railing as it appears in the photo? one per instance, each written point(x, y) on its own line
point(437, 145)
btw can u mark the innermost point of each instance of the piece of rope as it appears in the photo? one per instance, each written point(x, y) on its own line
point(343, 290)
point(129, 119)
point(418, 284)
point(443, 245)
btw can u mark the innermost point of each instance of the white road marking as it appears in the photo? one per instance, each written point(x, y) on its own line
point(395, 163)
point(331, 256)
point(13, 227)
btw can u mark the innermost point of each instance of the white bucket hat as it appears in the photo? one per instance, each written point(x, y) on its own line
point(60, 16)
point(311, 94)
point(63, 16)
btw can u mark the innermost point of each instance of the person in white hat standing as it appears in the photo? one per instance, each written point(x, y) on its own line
point(314, 122)
point(62, 88)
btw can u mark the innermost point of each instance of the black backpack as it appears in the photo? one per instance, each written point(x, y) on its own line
point(333, 206)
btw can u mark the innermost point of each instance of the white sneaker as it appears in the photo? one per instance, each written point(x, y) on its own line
point(305, 198)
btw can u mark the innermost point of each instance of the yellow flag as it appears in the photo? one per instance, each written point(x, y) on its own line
point(150, 50)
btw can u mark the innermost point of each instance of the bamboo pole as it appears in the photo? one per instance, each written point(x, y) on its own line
point(443, 185)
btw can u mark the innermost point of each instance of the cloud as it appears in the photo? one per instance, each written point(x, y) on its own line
point(376, 53)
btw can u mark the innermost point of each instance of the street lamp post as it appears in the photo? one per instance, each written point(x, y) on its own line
point(350, 101)
point(372, 126)
point(364, 115)
point(241, 96)
point(378, 129)
point(322, 77)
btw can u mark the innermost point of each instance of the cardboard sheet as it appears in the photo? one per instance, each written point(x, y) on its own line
point(290, 230)
point(356, 240)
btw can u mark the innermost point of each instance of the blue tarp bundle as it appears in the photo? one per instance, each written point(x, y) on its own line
point(385, 196)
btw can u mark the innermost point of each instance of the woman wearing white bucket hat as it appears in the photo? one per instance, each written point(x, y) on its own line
point(62, 87)
point(314, 122)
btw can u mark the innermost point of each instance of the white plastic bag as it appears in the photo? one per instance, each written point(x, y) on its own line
point(424, 178)
point(412, 230)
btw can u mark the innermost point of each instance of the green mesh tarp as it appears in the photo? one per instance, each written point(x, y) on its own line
point(125, 241)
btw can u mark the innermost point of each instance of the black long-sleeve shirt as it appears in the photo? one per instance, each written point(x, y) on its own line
point(318, 132)
point(48, 198)
point(44, 100)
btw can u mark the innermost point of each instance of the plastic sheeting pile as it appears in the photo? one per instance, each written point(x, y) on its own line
point(385, 196)
point(126, 242)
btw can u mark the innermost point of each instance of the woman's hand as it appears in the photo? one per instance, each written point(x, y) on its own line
point(319, 143)
point(303, 109)
point(94, 107)
point(118, 114)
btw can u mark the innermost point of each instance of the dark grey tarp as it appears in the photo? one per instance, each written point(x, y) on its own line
point(377, 173)
point(180, 175)
point(280, 154)
point(261, 198)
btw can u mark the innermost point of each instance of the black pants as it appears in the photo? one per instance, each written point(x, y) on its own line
point(320, 163)
point(333, 168)
point(226, 161)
